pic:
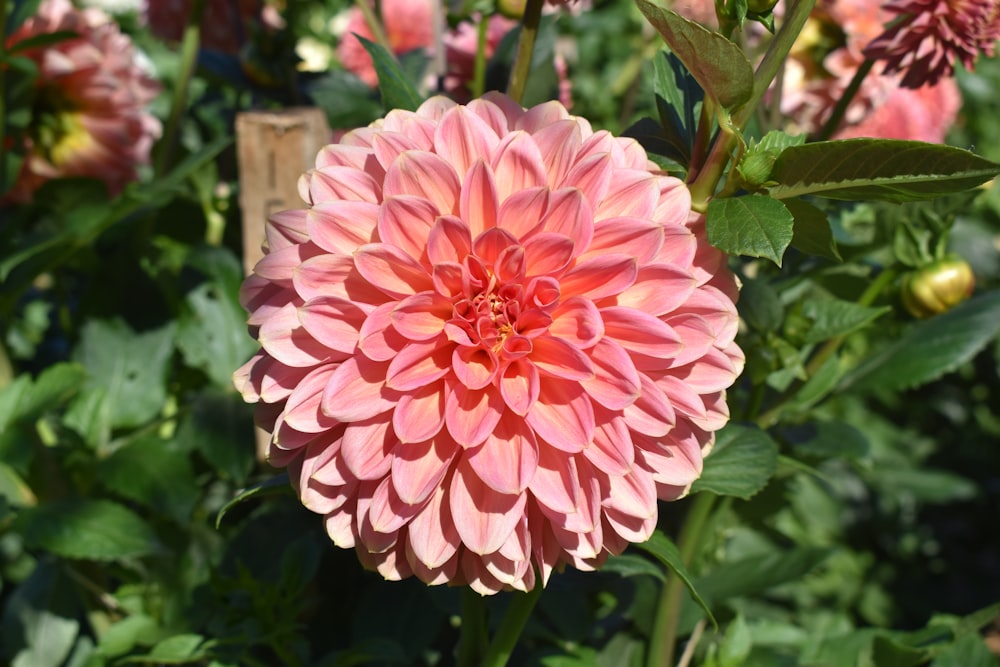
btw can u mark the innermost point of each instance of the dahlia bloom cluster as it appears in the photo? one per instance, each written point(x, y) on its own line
point(815, 80)
point(928, 36)
point(490, 342)
point(89, 116)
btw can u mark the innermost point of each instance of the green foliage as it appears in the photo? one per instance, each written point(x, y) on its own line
point(755, 225)
point(742, 461)
point(397, 91)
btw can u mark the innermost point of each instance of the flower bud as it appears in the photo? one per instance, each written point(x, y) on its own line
point(938, 287)
point(760, 6)
point(512, 9)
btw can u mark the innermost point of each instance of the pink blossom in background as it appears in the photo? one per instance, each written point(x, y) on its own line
point(702, 11)
point(90, 117)
point(225, 25)
point(924, 114)
point(408, 25)
point(931, 35)
point(460, 46)
point(490, 342)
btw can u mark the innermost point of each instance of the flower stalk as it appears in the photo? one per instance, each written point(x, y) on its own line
point(518, 613)
point(525, 49)
point(189, 58)
point(473, 637)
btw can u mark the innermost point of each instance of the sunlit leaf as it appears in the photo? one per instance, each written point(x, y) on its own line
point(740, 464)
point(397, 91)
point(755, 225)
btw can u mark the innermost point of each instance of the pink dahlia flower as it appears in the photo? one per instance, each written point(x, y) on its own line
point(492, 339)
point(408, 25)
point(89, 117)
point(225, 24)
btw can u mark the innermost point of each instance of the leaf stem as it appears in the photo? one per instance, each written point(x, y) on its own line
point(518, 613)
point(525, 49)
point(479, 73)
point(3, 97)
point(189, 57)
point(705, 184)
point(472, 633)
point(664, 637)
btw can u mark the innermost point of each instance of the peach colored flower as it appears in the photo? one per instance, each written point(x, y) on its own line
point(225, 25)
point(408, 25)
point(490, 342)
point(89, 116)
point(930, 35)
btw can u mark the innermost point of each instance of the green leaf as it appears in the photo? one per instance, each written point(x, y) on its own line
point(882, 169)
point(969, 651)
point(754, 225)
point(39, 625)
point(14, 488)
point(130, 367)
point(754, 574)
point(212, 333)
point(741, 463)
point(928, 486)
point(664, 550)
point(834, 317)
point(632, 565)
point(41, 41)
point(178, 649)
point(932, 347)
point(719, 65)
point(397, 91)
point(273, 486)
point(154, 473)
point(811, 233)
point(56, 385)
point(760, 305)
point(126, 634)
point(219, 425)
point(736, 644)
point(89, 529)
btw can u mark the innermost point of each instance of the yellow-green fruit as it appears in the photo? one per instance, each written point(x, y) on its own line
point(937, 287)
point(512, 9)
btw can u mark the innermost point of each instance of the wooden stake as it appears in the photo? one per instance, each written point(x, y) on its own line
point(273, 148)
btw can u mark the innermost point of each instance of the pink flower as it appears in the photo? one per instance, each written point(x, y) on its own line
point(460, 45)
point(89, 116)
point(930, 35)
point(490, 342)
point(225, 24)
point(408, 25)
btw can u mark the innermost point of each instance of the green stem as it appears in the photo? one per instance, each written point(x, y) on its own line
point(473, 637)
point(708, 178)
point(525, 49)
point(189, 59)
point(3, 97)
point(518, 612)
point(479, 73)
point(664, 637)
point(374, 24)
point(837, 115)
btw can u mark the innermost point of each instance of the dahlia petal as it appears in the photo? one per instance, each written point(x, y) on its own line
point(462, 137)
point(479, 204)
point(714, 371)
point(519, 386)
point(521, 213)
point(637, 237)
point(616, 384)
point(557, 357)
point(658, 289)
point(378, 339)
point(599, 277)
point(279, 265)
point(517, 165)
point(569, 214)
point(302, 411)
point(391, 270)
point(653, 412)
point(411, 125)
point(483, 517)
point(633, 193)
point(419, 467)
point(491, 243)
point(542, 115)
point(640, 332)
point(356, 391)
point(406, 222)
point(630, 527)
point(419, 364)
point(592, 175)
point(387, 145)
point(432, 535)
point(421, 316)
point(562, 415)
point(432, 576)
point(492, 114)
point(330, 184)
point(335, 275)
point(556, 483)
point(478, 577)
point(332, 321)
point(675, 202)
point(679, 247)
point(450, 240)
point(577, 321)
point(675, 460)
point(471, 414)
point(450, 279)
point(341, 155)
point(367, 447)
point(339, 526)
point(558, 144)
point(633, 494)
point(419, 414)
point(698, 336)
point(391, 564)
point(507, 459)
point(388, 513)
point(547, 253)
point(426, 175)
point(474, 367)
point(285, 339)
point(612, 451)
point(341, 226)
point(287, 228)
